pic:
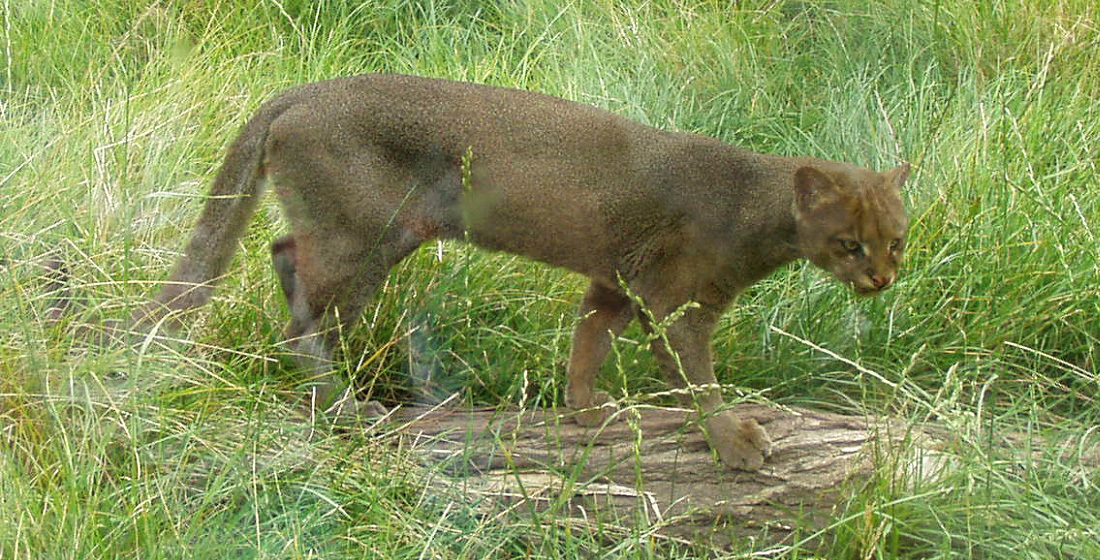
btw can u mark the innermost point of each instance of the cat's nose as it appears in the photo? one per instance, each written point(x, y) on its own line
point(880, 281)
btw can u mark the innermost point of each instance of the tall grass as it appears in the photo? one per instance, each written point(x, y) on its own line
point(113, 116)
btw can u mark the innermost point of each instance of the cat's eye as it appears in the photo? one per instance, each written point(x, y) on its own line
point(852, 246)
point(895, 246)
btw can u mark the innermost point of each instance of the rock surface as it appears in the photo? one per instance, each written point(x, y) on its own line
point(652, 468)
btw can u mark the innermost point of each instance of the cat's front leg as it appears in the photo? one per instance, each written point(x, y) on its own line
point(683, 351)
point(605, 312)
point(741, 443)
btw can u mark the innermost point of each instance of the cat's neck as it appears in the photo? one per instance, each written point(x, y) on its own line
point(768, 244)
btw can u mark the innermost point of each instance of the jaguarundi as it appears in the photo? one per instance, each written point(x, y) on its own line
point(368, 168)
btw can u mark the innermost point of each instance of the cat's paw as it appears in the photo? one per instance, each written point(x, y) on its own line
point(597, 412)
point(371, 410)
point(741, 444)
point(352, 412)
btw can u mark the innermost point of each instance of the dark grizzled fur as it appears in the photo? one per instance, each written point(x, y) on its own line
point(367, 168)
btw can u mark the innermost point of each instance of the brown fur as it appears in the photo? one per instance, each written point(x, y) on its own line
point(367, 168)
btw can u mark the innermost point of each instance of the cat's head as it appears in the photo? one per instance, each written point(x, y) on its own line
point(851, 222)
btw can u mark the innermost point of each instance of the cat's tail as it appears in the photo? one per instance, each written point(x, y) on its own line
point(229, 205)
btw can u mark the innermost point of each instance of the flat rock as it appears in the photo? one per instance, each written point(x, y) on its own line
point(652, 468)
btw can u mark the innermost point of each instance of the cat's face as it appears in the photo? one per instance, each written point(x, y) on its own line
point(852, 223)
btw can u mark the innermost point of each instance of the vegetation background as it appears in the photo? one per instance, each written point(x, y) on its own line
point(113, 116)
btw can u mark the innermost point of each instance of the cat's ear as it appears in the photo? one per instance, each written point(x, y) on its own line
point(813, 188)
point(897, 176)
